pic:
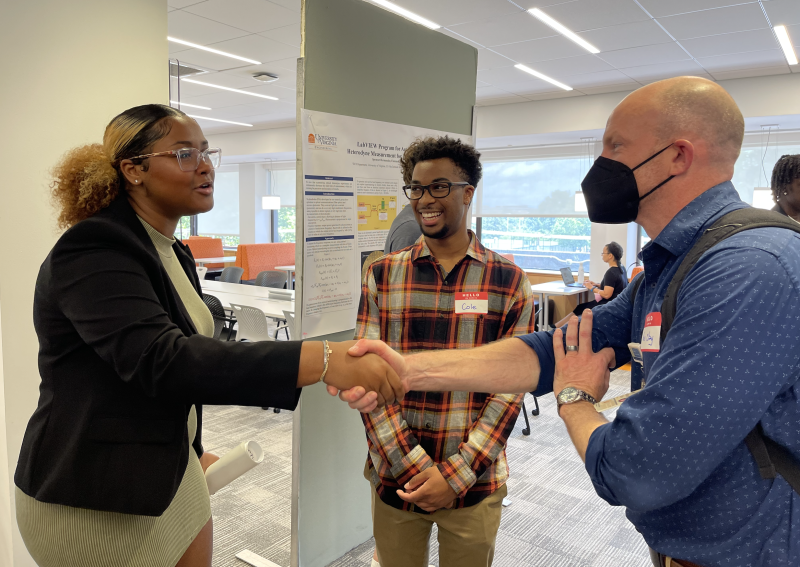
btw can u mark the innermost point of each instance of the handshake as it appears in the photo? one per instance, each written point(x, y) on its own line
point(366, 374)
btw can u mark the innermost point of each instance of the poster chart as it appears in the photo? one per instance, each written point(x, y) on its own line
point(352, 191)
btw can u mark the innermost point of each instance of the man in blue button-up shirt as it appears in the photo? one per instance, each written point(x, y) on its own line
point(674, 455)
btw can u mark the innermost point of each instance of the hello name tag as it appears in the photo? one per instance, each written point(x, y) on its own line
point(651, 336)
point(472, 302)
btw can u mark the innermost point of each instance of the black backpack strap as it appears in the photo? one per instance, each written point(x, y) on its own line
point(770, 457)
point(635, 284)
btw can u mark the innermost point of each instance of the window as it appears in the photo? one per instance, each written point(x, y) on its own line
point(283, 183)
point(183, 230)
point(223, 220)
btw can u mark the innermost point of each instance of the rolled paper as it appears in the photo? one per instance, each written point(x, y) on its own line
point(233, 464)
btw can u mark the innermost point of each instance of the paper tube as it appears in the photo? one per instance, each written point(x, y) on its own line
point(233, 464)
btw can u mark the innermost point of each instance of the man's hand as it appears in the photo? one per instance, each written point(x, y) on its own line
point(357, 397)
point(581, 369)
point(429, 490)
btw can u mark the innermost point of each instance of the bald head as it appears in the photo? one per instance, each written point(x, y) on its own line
point(694, 109)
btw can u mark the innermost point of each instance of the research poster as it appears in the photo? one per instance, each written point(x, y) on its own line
point(352, 191)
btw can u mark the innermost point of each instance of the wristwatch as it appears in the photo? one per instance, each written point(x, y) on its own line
point(571, 395)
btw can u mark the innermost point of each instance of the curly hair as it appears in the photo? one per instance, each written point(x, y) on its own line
point(786, 170)
point(465, 157)
point(88, 178)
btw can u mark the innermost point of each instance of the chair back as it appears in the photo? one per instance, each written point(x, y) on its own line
point(203, 247)
point(252, 323)
point(255, 258)
point(271, 278)
point(201, 272)
point(231, 274)
point(636, 270)
point(217, 312)
point(289, 322)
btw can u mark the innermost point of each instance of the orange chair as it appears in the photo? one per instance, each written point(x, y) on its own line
point(255, 258)
point(204, 247)
point(634, 271)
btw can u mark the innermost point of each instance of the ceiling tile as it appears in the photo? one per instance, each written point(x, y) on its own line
point(599, 79)
point(460, 38)
point(491, 92)
point(750, 60)
point(482, 84)
point(293, 5)
point(506, 29)
point(488, 59)
point(649, 73)
point(251, 15)
point(624, 87)
point(183, 3)
point(503, 75)
point(259, 48)
point(727, 43)
point(529, 87)
point(746, 73)
point(190, 27)
point(660, 8)
point(452, 12)
point(554, 94)
point(286, 78)
point(711, 22)
point(554, 47)
point(571, 66)
point(626, 35)
point(290, 35)
point(783, 12)
point(645, 55)
point(290, 64)
point(583, 15)
point(510, 99)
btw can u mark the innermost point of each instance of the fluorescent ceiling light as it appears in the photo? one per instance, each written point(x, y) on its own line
point(537, 74)
point(218, 120)
point(560, 28)
point(405, 13)
point(228, 89)
point(217, 51)
point(189, 105)
point(786, 44)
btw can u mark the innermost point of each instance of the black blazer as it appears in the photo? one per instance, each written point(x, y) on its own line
point(121, 365)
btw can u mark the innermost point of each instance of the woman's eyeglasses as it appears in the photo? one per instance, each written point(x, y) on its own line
point(438, 190)
point(189, 158)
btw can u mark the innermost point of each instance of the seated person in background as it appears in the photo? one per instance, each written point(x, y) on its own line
point(440, 457)
point(612, 284)
point(786, 186)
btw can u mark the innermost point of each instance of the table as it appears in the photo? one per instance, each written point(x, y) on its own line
point(289, 271)
point(250, 295)
point(219, 260)
point(213, 286)
point(552, 288)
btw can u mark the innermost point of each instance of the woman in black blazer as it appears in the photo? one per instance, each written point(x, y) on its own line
point(123, 368)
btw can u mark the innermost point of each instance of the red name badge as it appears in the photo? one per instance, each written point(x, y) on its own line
point(472, 302)
point(651, 336)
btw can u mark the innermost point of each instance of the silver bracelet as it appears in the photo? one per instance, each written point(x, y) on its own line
point(326, 352)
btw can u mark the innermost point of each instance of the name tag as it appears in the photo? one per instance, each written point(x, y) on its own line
point(651, 336)
point(472, 302)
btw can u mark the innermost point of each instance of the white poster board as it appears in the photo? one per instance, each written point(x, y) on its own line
point(352, 191)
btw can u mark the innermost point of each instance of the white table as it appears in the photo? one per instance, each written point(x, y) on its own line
point(552, 288)
point(289, 271)
point(250, 295)
point(219, 260)
point(213, 287)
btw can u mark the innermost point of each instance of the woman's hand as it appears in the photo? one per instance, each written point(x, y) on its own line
point(370, 372)
point(207, 459)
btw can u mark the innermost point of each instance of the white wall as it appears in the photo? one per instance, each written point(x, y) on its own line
point(72, 67)
point(275, 140)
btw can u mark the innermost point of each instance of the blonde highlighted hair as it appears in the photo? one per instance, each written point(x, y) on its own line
point(88, 178)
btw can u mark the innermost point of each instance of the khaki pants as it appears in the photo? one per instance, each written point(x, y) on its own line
point(466, 535)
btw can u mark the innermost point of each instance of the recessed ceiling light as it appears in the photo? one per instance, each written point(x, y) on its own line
point(407, 14)
point(228, 89)
point(542, 77)
point(563, 30)
point(217, 51)
point(218, 120)
point(189, 105)
point(786, 44)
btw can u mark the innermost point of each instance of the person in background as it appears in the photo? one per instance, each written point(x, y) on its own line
point(110, 472)
point(786, 186)
point(440, 457)
point(404, 231)
point(612, 284)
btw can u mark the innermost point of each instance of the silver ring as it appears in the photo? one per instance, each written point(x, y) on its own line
point(571, 348)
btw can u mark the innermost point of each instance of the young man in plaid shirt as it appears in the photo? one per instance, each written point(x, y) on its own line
point(440, 457)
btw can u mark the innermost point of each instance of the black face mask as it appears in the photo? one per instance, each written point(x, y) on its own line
point(611, 193)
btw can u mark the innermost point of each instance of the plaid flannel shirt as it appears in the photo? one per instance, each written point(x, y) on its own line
point(408, 301)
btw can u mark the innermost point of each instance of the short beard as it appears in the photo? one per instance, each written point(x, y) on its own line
point(438, 235)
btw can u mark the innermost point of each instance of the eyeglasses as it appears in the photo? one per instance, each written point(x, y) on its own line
point(437, 190)
point(189, 158)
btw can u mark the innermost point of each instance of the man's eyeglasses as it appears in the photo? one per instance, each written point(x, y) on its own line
point(437, 190)
point(189, 158)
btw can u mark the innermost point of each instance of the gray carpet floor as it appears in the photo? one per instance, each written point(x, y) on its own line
point(555, 519)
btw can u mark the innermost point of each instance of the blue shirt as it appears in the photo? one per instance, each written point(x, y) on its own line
point(674, 455)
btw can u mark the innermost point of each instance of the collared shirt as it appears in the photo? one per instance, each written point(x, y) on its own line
point(409, 301)
point(675, 453)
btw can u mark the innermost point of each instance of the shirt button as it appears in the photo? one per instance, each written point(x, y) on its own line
point(428, 426)
point(442, 315)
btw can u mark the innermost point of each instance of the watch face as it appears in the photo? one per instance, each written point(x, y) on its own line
point(569, 396)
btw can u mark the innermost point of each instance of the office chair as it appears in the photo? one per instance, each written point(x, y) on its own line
point(220, 317)
point(232, 274)
point(271, 278)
